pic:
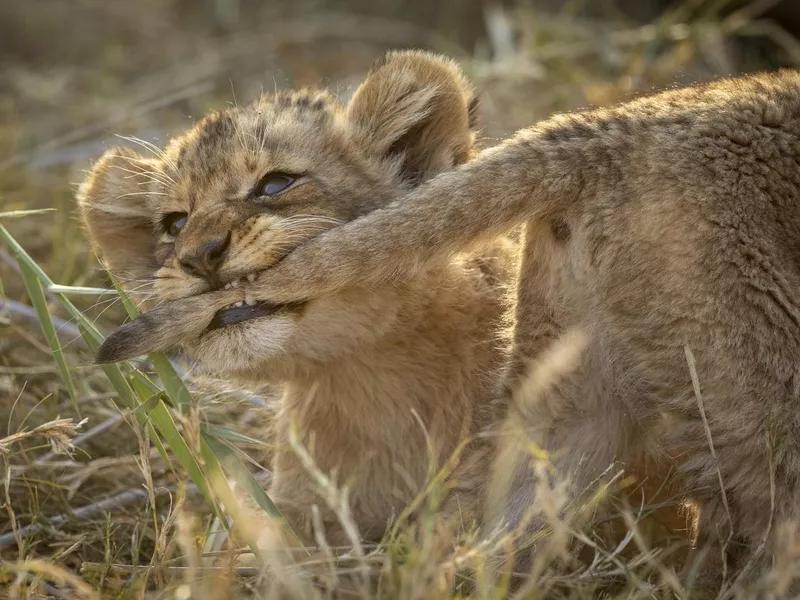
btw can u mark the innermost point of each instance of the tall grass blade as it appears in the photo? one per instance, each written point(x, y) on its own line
point(163, 421)
point(71, 290)
point(223, 490)
point(18, 214)
point(224, 433)
point(126, 395)
point(236, 468)
point(24, 257)
point(143, 398)
point(35, 292)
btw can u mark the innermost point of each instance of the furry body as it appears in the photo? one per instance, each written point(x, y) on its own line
point(663, 229)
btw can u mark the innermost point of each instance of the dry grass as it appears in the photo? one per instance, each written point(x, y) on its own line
point(91, 508)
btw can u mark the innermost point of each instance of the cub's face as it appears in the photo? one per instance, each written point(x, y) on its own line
point(245, 186)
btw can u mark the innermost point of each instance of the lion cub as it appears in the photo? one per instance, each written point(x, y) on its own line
point(667, 231)
point(383, 382)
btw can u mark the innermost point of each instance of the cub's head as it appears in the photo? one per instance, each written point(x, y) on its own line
point(245, 186)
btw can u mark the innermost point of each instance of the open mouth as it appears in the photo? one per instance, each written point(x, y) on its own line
point(241, 312)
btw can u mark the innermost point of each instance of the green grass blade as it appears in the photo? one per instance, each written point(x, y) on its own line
point(224, 492)
point(149, 404)
point(130, 307)
point(36, 294)
point(236, 468)
point(226, 456)
point(71, 290)
point(163, 421)
point(24, 257)
point(224, 433)
point(18, 214)
point(125, 394)
point(164, 426)
point(173, 384)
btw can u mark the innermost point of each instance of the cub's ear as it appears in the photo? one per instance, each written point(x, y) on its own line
point(415, 110)
point(113, 201)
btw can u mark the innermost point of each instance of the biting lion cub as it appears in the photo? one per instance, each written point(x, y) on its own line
point(668, 230)
point(383, 382)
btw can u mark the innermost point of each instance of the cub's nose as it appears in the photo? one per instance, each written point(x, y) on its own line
point(204, 260)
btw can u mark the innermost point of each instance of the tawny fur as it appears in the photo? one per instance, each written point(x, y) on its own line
point(431, 344)
point(383, 382)
point(668, 223)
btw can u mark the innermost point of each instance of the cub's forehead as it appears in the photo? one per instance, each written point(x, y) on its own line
point(284, 131)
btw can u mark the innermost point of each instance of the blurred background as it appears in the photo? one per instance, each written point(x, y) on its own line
point(74, 74)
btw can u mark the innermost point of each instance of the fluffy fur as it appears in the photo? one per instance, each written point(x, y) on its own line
point(383, 382)
point(667, 230)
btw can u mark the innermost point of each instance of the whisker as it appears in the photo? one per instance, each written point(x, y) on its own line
point(320, 217)
point(150, 176)
point(144, 167)
point(152, 148)
point(142, 194)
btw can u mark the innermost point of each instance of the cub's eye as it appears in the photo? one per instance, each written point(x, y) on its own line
point(172, 223)
point(274, 183)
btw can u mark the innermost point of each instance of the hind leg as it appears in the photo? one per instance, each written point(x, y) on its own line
point(556, 448)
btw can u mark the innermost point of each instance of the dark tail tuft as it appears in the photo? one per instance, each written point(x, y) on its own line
point(129, 341)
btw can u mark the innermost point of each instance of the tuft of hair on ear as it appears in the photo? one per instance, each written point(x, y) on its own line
point(114, 206)
point(416, 111)
point(473, 113)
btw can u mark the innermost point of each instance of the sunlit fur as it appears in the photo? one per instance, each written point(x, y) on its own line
point(679, 221)
point(380, 380)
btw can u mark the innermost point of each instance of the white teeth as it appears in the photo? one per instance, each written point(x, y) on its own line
point(251, 277)
point(239, 304)
point(235, 283)
point(227, 286)
point(249, 300)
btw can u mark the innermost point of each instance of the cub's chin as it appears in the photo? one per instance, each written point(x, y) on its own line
point(264, 342)
point(242, 339)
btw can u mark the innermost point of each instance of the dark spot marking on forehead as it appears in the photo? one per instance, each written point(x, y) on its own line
point(283, 100)
point(217, 131)
point(181, 156)
point(320, 103)
point(304, 101)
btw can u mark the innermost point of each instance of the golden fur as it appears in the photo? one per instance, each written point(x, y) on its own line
point(369, 374)
point(667, 231)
